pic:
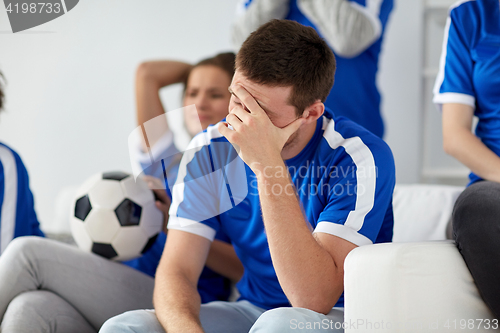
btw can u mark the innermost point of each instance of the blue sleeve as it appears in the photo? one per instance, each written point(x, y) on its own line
point(360, 192)
point(17, 217)
point(212, 180)
point(454, 83)
point(26, 222)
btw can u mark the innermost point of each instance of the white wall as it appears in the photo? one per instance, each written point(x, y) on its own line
point(70, 102)
point(400, 74)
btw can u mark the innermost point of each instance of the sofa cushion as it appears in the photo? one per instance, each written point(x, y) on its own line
point(422, 212)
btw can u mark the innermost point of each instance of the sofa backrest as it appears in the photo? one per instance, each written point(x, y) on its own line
point(422, 211)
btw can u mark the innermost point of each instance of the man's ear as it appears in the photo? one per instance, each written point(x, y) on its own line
point(314, 111)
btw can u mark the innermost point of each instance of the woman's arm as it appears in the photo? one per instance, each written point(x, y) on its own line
point(223, 260)
point(461, 143)
point(151, 76)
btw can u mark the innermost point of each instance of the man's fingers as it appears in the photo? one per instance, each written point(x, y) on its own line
point(242, 114)
point(247, 99)
point(234, 121)
point(224, 130)
point(293, 127)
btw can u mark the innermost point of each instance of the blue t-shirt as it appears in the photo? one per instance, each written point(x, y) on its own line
point(355, 94)
point(470, 66)
point(211, 286)
point(17, 207)
point(344, 178)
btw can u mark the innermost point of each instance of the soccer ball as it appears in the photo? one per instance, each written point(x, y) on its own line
point(115, 216)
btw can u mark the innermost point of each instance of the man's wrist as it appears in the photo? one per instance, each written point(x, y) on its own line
point(263, 171)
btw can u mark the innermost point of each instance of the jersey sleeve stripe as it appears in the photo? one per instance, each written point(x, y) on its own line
point(366, 182)
point(444, 98)
point(193, 227)
point(343, 232)
point(9, 204)
point(442, 61)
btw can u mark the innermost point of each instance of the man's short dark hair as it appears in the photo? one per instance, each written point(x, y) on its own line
point(286, 53)
point(2, 95)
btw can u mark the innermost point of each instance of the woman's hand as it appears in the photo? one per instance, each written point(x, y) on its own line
point(162, 199)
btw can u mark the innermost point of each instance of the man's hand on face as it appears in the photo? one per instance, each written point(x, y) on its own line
point(260, 142)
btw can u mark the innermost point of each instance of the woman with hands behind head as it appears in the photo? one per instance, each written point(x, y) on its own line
point(205, 102)
point(48, 286)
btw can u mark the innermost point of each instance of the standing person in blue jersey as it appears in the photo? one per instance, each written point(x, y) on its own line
point(354, 30)
point(205, 102)
point(468, 85)
point(17, 207)
point(300, 194)
point(48, 286)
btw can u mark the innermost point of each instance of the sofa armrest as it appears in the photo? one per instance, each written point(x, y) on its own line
point(408, 287)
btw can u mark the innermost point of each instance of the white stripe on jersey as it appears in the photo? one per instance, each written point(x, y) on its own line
point(200, 229)
point(343, 232)
point(9, 204)
point(439, 100)
point(363, 159)
point(450, 97)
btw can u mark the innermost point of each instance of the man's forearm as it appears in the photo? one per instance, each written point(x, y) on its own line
point(176, 298)
point(306, 271)
point(177, 304)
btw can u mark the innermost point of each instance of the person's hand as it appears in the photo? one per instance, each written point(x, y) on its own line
point(260, 142)
point(162, 200)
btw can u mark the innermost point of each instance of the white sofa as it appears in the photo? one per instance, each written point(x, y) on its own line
point(419, 283)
